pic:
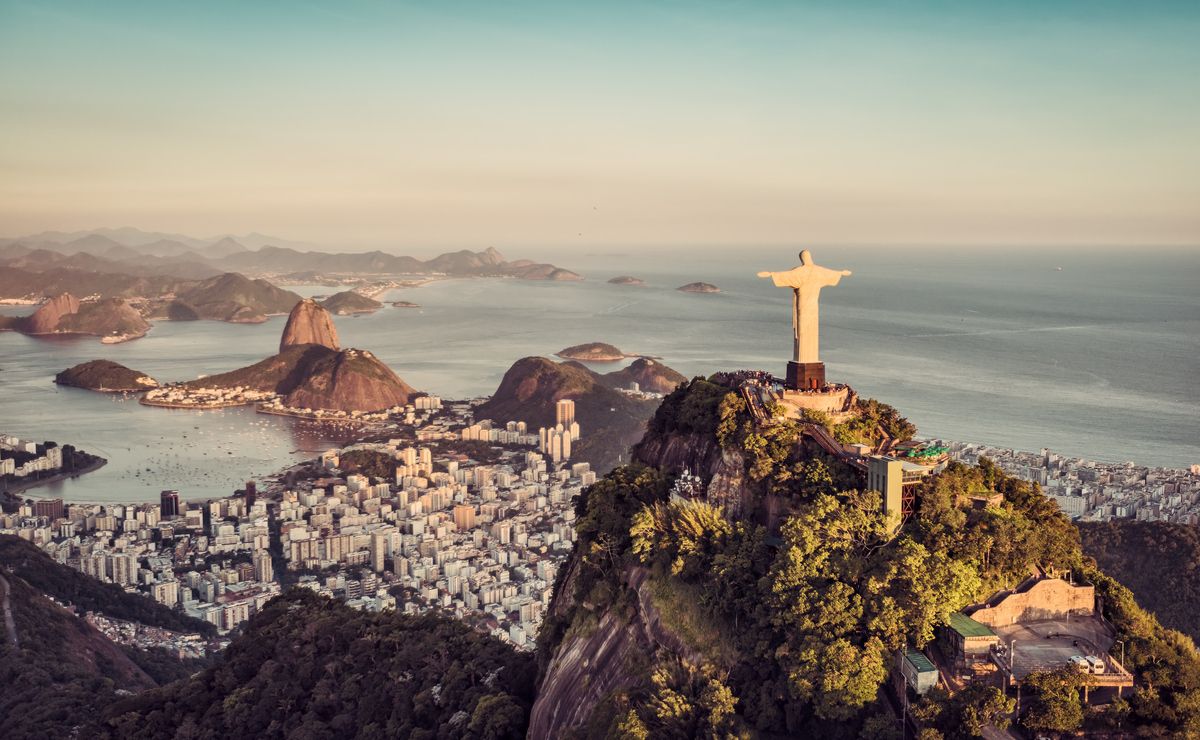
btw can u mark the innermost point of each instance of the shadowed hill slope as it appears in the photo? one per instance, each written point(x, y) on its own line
point(64, 671)
point(310, 667)
point(1159, 560)
point(69, 586)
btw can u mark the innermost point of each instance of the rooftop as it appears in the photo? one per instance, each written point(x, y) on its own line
point(967, 627)
point(919, 661)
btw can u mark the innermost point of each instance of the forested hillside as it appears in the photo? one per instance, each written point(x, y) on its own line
point(61, 673)
point(797, 633)
point(311, 667)
point(88, 594)
point(1158, 561)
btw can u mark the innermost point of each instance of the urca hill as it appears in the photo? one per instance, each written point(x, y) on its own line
point(310, 372)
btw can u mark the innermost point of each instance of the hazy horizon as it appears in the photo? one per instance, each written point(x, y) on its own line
point(361, 125)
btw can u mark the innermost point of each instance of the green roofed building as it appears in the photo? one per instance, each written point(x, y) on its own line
point(971, 640)
point(917, 670)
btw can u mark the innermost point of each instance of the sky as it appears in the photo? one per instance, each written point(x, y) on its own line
point(363, 124)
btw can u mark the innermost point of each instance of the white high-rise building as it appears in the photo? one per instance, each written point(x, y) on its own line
point(264, 572)
point(565, 412)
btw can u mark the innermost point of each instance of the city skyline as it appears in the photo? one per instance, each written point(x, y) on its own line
point(368, 126)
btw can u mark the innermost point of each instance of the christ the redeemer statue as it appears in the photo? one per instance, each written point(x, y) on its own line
point(806, 281)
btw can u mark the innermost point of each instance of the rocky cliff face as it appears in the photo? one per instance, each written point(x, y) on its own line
point(350, 380)
point(45, 319)
point(724, 470)
point(309, 323)
point(584, 670)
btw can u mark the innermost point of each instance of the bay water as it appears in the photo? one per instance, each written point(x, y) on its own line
point(1099, 359)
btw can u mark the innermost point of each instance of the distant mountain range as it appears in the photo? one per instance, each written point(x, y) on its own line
point(139, 253)
point(131, 237)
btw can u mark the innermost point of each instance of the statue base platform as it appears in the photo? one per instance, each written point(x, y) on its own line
point(839, 401)
point(805, 376)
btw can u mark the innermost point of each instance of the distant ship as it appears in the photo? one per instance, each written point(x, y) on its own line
point(1058, 268)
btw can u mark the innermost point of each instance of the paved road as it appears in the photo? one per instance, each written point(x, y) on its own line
point(8, 618)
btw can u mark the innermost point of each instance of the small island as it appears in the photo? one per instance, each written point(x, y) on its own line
point(593, 352)
point(699, 288)
point(105, 376)
point(406, 304)
point(111, 319)
point(349, 302)
point(627, 280)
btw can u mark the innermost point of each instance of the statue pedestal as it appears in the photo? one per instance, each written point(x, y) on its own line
point(803, 376)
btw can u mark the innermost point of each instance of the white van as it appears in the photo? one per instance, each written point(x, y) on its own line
point(1097, 664)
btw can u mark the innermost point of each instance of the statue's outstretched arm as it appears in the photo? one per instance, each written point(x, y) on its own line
point(766, 274)
point(845, 272)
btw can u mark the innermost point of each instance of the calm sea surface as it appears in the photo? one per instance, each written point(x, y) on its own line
point(1098, 360)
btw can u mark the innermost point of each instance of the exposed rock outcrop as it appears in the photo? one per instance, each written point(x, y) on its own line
point(309, 323)
point(583, 670)
point(45, 319)
point(627, 280)
point(699, 453)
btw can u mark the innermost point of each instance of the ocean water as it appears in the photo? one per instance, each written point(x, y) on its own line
point(1097, 360)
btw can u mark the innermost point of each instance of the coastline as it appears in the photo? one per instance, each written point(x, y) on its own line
point(200, 407)
point(105, 390)
point(608, 358)
point(101, 462)
point(325, 419)
point(122, 338)
point(378, 293)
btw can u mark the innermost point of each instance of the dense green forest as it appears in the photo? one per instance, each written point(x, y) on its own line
point(308, 667)
point(1159, 561)
point(63, 672)
point(165, 666)
point(797, 636)
point(88, 594)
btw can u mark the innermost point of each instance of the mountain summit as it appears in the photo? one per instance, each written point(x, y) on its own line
point(309, 323)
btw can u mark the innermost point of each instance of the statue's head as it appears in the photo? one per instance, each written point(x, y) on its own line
point(806, 257)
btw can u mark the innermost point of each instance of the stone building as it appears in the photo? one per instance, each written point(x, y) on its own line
point(1039, 598)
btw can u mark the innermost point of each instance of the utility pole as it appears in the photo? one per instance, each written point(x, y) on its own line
point(1119, 686)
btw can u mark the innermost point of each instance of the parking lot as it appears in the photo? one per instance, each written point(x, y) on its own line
point(1049, 645)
